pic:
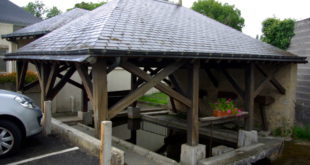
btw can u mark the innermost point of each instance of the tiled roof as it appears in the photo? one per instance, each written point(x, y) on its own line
point(150, 28)
point(48, 25)
point(10, 13)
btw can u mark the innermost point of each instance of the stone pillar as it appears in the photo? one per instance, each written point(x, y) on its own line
point(191, 154)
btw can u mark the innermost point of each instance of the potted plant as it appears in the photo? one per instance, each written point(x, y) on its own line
point(224, 107)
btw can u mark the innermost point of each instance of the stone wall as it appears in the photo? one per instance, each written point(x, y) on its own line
point(279, 114)
point(300, 45)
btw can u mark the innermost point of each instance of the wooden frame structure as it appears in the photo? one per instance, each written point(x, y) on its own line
point(158, 74)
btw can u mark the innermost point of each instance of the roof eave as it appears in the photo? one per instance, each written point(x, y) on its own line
point(71, 55)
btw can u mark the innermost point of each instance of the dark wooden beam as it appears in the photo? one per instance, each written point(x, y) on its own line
point(72, 82)
point(100, 93)
point(273, 81)
point(86, 80)
point(30, 85)
point(176, 84)
point(249, 95)
point(21, 70)
point(125, 102)
point(192, 115)
point(212, 78)
point(234, 83)
point(54, 91)
point(263, 83)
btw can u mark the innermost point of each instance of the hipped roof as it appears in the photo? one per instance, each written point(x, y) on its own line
point(12, 14)
point(150, 28)
point(47, 25)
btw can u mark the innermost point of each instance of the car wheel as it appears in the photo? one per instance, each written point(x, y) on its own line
point(10, 138)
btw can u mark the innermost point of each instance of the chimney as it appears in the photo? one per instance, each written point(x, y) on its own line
point(180, 3)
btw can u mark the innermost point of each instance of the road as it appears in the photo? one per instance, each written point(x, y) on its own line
point(51, 150)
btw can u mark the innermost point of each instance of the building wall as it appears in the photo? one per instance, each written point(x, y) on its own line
point(9, 46)
point(300, 45)
point(279, 114)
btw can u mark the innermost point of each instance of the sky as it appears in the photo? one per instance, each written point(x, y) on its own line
point(253, 11)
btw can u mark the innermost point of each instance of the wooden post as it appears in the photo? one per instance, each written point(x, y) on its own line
point(249, 95)
point(105, 143)
point(84, 101)
point(192, 116)
point(100, 93)
point(47, 117)
point(133, 86)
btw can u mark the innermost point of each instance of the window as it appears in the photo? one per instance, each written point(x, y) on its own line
point(2, 62)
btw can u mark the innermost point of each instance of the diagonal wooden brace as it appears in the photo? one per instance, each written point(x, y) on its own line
point(132, 97)
point(160, 86)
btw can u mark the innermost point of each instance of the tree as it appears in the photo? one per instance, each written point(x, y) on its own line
point(224, 13)
point(87, 5)
point(278, 32)
point(53, 12)
point(36, 8)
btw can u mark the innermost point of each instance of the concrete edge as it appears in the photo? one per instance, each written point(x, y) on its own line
point(236, 157)
point(144, 152)
point(84, 141)
point(92, 145)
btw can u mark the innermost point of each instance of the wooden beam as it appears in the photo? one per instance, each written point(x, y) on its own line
point(51, 78)
point(43, 72)
point(273, 81)
point(86, 81)
point(165, 89)
point(54, 91)
point(176, 84)
point(212, 78)
point(100, 93)
point(21, 70)
point(263, 83)
point(249, 95)
point(125, 102)
point(30, 85)
point(234, 83)
point(72, 82)
point(192, 115)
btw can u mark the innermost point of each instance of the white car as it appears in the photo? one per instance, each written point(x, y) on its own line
point(19, 118)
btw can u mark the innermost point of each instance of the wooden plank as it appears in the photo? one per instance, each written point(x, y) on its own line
point(249, 95)
point(213, 118)
point(100, 93)
point(165, 89)
point(273, 81)
point(53, 92)
point(234, 83)
point(86, 81)
point(125, 102)
point(192, 115)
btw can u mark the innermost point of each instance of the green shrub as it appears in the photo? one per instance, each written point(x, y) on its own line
point(11, 77)
point(301, 132)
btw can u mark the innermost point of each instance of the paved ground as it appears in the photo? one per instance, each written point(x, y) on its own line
point(37, 146)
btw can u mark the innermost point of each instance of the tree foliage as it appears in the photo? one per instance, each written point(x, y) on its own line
point(36, 8)
point(224, 13)
point(53, 12)
point(278, 32)
point(87, 5)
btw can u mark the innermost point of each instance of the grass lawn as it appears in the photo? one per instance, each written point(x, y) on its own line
point(155, 99)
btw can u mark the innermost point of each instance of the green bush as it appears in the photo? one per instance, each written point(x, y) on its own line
point(11, 77)
point(301, 132)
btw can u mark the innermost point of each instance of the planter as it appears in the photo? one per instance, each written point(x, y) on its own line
point(217, 113)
